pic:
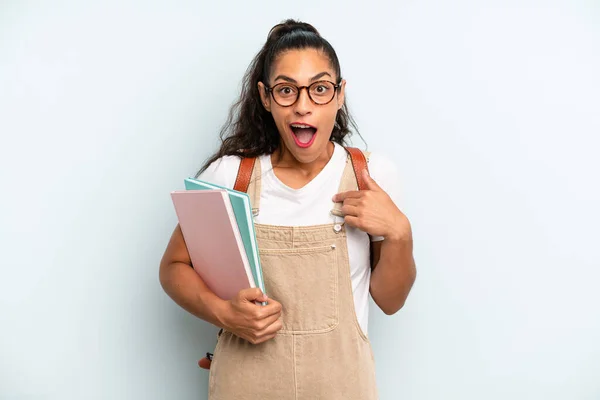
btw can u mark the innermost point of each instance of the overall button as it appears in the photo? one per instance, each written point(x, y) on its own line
point(337, 228)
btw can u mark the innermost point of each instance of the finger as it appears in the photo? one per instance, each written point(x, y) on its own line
point(268, 321)
point(345, 195)
point(267, 333)
point(353, 202)
point(350, 210)
point(252, 294)
point(262, 298)
point(272, 308)
point(371, 184)
point(352, 221)
point(265, 338)
point(271, 329)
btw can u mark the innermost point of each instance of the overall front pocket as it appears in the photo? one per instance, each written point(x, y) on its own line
point(305, 282)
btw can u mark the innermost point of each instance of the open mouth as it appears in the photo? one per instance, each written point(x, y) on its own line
point(304, 134)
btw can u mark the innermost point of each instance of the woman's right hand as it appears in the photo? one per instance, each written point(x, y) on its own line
point(252, 322)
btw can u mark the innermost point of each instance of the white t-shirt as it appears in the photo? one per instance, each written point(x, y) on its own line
point(311, 205)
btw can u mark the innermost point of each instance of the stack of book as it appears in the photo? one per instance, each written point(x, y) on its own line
point(218, 229)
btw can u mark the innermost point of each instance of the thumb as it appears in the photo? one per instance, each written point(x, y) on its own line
point(253, 294)
point(371, 184)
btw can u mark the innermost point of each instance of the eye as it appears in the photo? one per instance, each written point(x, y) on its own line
point(286, 90)
point(321, 89)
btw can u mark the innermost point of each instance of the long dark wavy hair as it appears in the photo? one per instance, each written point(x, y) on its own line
point(250, 130)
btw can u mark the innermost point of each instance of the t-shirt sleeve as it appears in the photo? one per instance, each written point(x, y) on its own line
point(222, 172)
point(385, 172)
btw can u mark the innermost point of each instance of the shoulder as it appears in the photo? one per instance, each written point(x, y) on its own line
point(384, 171)
point(382, 166)
point(222, 171)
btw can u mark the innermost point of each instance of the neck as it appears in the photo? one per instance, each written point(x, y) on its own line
point(283, 158)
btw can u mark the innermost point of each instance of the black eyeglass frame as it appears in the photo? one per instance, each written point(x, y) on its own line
point(335, 89)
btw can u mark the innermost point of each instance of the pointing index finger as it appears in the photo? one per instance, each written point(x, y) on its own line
point(340, 197)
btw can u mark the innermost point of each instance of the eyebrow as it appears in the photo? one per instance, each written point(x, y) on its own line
point(291, 80)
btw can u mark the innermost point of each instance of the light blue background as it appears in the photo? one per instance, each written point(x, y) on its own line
point(490, 108)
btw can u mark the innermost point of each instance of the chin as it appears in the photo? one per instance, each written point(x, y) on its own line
point(309, 154)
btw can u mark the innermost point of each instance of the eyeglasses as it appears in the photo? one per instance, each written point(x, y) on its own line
point(320, 92)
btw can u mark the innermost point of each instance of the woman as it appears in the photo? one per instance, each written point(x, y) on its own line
point(324, 244)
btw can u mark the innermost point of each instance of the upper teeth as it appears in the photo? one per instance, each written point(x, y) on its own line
point(300, 126)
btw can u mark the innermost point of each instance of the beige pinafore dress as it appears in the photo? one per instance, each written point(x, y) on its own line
point(321, 351)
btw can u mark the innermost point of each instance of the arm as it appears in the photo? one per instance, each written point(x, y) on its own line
point(184, 285)
point(240, 315)
point(394, 273)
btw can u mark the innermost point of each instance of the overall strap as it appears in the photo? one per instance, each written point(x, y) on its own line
point(249, 172)
point(242, 181)
point(359, 162)
point(352, 176)
point(247, 181)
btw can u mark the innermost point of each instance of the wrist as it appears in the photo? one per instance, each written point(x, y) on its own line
point(399, 232)
point(222, 311)
point(398, 237)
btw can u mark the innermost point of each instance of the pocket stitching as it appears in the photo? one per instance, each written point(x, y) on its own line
point(335, 292)
point(299, 250)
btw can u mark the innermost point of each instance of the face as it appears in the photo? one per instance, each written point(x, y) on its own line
point(304, 127)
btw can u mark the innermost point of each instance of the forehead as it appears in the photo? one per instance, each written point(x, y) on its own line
point(302, 65)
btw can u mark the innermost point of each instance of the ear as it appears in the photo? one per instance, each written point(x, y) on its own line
point(265, 99)
point(341, 94)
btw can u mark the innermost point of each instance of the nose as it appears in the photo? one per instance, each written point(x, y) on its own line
point(303, 105)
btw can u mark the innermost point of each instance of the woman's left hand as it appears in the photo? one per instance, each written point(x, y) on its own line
point(373, 211)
